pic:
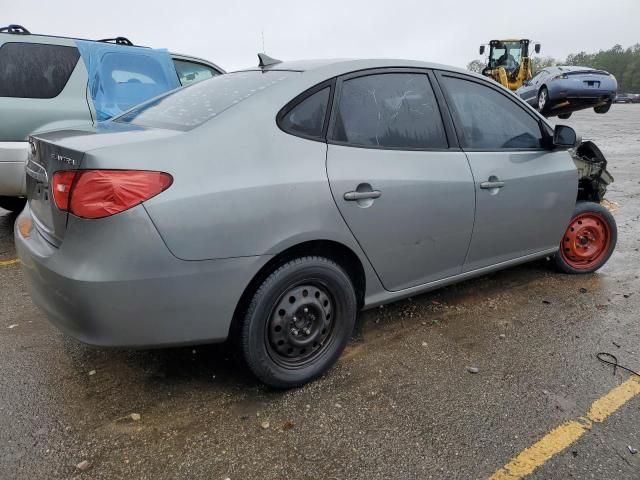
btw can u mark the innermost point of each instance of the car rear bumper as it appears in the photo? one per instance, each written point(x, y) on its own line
point(13, 158)
point(593, 95)
point(113, 282)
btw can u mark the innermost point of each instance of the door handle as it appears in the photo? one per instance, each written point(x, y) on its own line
point(355, 196)
point(492, 184)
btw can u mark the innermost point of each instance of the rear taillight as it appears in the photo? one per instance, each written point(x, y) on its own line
point(101, 193)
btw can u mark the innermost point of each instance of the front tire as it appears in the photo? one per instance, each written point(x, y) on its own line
point(543, 100)
point(13, 204)
point(298, 322)
point(589, 240)
point(564, 116)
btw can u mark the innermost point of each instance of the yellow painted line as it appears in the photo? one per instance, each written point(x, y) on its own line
point(6, 263)
point(567, 433)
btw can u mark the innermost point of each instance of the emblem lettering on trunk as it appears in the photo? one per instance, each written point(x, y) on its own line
point(63, 159)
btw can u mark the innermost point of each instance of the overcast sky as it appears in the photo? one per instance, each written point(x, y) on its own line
point(229, 33)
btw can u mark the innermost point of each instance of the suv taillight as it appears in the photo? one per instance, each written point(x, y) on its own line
point(101, 193)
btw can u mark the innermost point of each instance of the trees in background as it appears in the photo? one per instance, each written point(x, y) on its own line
point(623, 63)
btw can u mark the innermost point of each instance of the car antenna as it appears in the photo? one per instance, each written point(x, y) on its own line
point(266, 61)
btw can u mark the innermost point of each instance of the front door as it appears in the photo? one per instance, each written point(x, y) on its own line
point(525, 194)
point(407, 197)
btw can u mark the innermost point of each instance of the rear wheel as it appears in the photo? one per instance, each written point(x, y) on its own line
point(602, 108)
point(13, 204)
point(298, 322)
point(543, 100)
point(589, 239)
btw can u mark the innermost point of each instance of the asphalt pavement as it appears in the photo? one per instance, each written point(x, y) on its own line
point(401, 403)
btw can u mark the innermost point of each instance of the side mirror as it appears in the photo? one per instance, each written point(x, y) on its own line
point(564, 136)
point(526, 83)
point(537, 48)
point(481, 49)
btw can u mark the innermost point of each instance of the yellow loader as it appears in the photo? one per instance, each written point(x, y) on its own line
point(509, 62)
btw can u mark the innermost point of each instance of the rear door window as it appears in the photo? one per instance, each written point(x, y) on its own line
point(192, 72)
point(389, 110)
point(488, 120)
point(34, 70)
point(308, 116)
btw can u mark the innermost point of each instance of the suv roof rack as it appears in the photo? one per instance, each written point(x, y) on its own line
point(15, 29)
point(118, 41)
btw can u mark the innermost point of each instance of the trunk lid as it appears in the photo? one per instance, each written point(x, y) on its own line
point(65, 150)
point(45, 159)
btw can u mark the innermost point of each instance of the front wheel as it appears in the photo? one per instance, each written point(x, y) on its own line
point(543, 100)
point(298, 322)
point(589, 239)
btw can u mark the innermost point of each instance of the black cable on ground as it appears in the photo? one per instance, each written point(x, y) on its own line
point(614, 362)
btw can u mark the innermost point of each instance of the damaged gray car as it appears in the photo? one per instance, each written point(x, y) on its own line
point(270, 205)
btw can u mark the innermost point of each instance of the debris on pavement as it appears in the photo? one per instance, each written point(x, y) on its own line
point(12, 326)
point(265, 425)
point(632, 450)
point(91, 372)
point(83, 465)
point(473, 369)
point(135, 417)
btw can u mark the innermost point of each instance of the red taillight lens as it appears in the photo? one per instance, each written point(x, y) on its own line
point(101, 193)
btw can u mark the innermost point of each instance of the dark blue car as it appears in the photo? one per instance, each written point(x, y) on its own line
point(563, 90)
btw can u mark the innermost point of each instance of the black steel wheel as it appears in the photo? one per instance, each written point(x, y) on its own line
point(298, 322)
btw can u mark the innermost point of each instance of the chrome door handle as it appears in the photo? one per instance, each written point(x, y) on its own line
point(355, 196)
point(492, 184)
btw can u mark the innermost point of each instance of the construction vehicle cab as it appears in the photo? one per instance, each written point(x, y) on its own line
point(509, 63)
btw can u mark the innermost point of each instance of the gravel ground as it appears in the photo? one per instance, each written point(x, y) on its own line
point(399, 404)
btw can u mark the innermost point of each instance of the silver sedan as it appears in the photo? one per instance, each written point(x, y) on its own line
point(270, 205)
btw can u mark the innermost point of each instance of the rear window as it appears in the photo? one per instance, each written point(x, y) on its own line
point(193, 105)
point(34, 70)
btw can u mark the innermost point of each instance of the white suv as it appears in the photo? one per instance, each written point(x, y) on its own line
point(49, 82)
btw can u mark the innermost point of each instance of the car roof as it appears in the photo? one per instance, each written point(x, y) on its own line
point(343, 65)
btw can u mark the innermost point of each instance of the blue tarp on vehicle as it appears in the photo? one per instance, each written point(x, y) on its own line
point(121, 76)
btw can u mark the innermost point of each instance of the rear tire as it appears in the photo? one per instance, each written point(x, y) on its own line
point(13, 204)
point(589, 240)
point(564, 116)
point(298, 322)
point(543, 100)
point(602, 108)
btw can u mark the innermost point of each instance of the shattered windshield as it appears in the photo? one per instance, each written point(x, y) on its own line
point(191, 106)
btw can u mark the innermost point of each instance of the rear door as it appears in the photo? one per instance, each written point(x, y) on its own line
point(525, 194)
point(398, 177)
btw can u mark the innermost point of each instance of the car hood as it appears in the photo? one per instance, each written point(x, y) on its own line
point(104, 134)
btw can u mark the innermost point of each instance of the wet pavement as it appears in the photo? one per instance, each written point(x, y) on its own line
point(399, 404)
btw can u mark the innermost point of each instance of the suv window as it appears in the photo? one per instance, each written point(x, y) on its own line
point(490, 120)
point(307, 117)
point(394, 110)
point(34, 70)
point(191, 72)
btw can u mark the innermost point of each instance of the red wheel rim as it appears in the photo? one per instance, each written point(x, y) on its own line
point(586, 241)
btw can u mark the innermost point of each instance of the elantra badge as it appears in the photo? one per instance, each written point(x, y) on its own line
point(63, 159)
